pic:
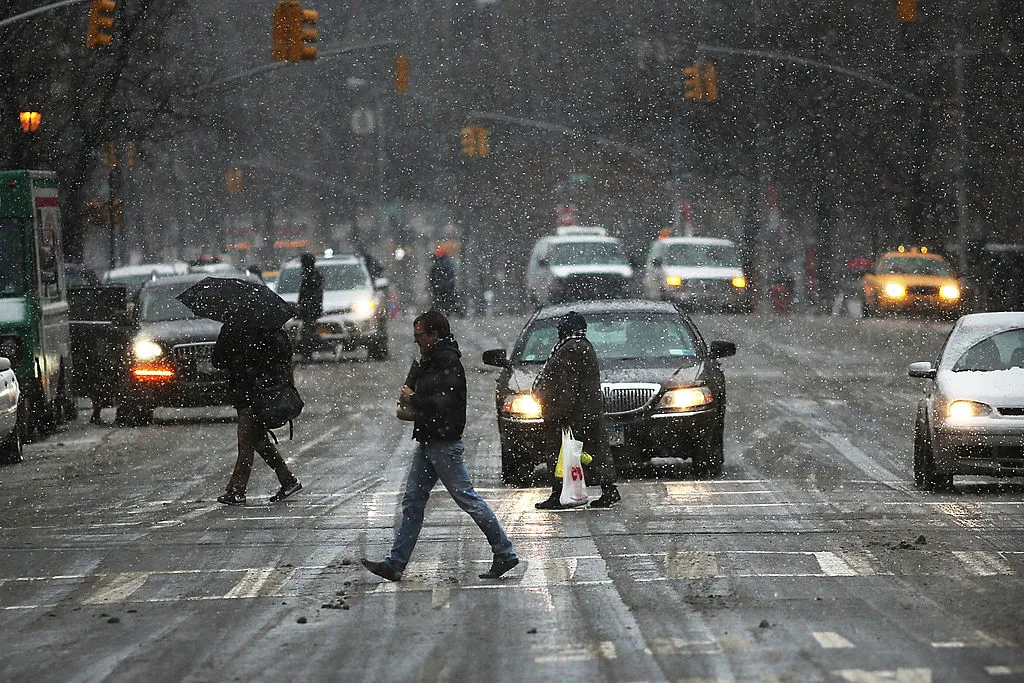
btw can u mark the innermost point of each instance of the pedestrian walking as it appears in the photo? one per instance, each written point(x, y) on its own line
point(248, 354)
point(569, 391)
point(436, 390)
point(443, 285)
point(310, 304)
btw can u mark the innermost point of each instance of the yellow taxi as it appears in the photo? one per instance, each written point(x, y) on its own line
point(911, 280)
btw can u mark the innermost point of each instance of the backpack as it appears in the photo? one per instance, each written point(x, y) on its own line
point(275, 401)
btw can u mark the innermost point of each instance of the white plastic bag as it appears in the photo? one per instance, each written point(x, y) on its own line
point(574, 487)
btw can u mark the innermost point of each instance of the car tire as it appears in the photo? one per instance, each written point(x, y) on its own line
point(133, 414)
point(515, 470)
point(926, 476)
point(11, 450)
point(710, 454)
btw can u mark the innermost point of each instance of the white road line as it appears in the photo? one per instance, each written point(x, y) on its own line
point(983, 563)
point(894, 676)
point(1004, 670)
point(831, 565)
point(260, 582)
point(115, 588)
point(831, 640)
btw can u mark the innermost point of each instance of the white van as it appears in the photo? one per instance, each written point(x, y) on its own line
point(581, 263)
point(699, 273)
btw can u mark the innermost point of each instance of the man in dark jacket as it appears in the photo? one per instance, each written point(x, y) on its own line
point(443, 287)
point(438, 394)
point(569, 392)
point(311, 302)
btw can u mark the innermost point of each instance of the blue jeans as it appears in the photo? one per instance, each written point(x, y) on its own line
point(442, 460)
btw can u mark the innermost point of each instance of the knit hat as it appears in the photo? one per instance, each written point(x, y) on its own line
point(571, 322)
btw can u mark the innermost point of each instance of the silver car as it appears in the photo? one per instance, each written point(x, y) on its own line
point(11, 419)
point(971, 419)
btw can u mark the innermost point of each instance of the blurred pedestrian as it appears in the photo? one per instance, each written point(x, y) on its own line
point(247, 354)
point(569, 391)
point(443, 285)
point(310, 304)
point(436, 390)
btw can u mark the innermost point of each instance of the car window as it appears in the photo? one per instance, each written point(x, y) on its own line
point(702, 255)
point(585, 254)
point(618, 337)
point(337, 276)
point(910, 265)
point(13, 280)
point(159, 303)
point(999, 352)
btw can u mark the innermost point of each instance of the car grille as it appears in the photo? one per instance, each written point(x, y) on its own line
point(923, 290)
point(627, 397)
point(709, 286)
point(193, 361)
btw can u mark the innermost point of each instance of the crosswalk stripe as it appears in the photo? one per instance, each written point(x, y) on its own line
point(831, 565)
point(983, 563)
point(260, 582)
point(831, 640)
point(115, 588)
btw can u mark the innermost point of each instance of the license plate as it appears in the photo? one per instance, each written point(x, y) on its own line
point(617, 436)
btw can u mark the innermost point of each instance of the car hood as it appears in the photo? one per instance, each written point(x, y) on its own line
point(336, 299)
point(592, 269)
point(617, 371)
point(1004, 388)
point(915, 280)
point(172, 332)
point(702, 272)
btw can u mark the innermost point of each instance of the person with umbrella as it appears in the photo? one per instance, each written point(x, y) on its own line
point(311, 303)
point(251, 345)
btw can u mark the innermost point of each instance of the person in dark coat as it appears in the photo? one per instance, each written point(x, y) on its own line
point(436, 389)
point(310, 304)
point(246, 354)
point(443, 287)
point(569, 391)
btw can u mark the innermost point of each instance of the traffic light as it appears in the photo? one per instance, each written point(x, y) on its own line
point(401, 73)
point(701, 82)
point(483, 145)
point(710, 79)
point(692, 87)
point(906, 10)
point(469, 141)
point(234, 180)
point(293, 31)
point(101, 20)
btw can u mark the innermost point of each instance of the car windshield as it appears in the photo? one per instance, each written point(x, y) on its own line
point(913, 265)
point(337, 276)
point(702, 255)
point(1001, 351)
point(618, 336)
point(159, 303)
point(586, 254)
point(12, 258)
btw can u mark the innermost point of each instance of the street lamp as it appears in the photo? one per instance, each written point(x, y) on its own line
point(30, 121)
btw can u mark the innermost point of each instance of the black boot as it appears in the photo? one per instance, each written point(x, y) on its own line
point(552, 502)
point(609, 496)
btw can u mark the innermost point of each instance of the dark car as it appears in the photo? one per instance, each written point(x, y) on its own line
point(168, 361)
point(664, 390)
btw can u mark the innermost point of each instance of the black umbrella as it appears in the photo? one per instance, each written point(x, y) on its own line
point(237, 302)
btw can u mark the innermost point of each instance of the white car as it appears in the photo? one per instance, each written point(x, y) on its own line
point(355, 307)
point(10, 422)
point(699, 273)
point(971, 419)
point(578, 263)
point(135, 276)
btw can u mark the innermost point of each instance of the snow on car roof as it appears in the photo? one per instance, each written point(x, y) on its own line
point(607, 306)
point(696, 240)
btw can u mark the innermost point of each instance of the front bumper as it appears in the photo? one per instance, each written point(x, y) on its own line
point(912, 303)
point(992, 446)
point(331, 332)
point(177, 393)
point(718, 299)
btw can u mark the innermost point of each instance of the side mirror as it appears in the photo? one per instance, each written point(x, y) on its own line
point(657, 261)
point(381, 284)
point(722, 349)
point(921, 370)
point(5, 364)
point(496, 358)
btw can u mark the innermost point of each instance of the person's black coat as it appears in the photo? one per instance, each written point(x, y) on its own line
point(246, 354)
point(439, 382)
point(311, 294)
point(569, 391)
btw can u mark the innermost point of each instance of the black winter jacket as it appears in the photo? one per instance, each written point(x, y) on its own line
point(246, 354)
point(439, 382)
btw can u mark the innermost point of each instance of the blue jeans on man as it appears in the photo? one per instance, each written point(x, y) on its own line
point(433, 460)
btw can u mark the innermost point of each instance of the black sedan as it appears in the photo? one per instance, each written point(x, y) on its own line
point(169, 359)
point(664, 390)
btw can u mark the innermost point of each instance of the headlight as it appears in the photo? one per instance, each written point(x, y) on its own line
point(739, 282)
point(959, 410)
point(689, 398)
point(147, 349)
point(363, 308)
point(674, 281)
point(895, 290)
point(523, 406)
point(949, 292)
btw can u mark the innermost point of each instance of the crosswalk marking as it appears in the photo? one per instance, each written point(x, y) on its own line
point(260, 582)
point(115, 588)
point(574, 652)
point(893, 676)
point(831, 565)
point(681, 646)
point(983, 563)
point(831, 640)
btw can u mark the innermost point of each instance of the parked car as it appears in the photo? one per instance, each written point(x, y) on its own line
point(134, 276)
point(11, 418)
point(664, 390)
point(355, 305)
point(79, 275)
point(578, 263)
point(169, 359)
point(971, 419)
point(700, 273)
point(912, 280)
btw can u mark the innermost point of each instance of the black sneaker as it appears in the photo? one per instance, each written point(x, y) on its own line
point(382, 569)
point(232, 498)
point(551, 503)
point(499, 567)
point(609, 497)
point(286, 491)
